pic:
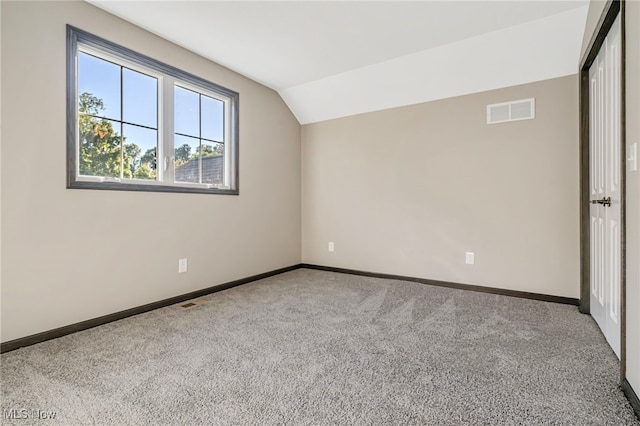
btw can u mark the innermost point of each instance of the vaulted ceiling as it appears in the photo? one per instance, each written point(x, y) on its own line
point(337, 58)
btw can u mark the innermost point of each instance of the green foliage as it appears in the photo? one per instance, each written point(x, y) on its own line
point(216, 149)
point(144, 172)
point(101, 152)
point(149, 158)
point(183, 154)
point(133, 151)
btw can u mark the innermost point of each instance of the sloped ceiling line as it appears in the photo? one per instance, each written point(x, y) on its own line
point(330, 59)
point(534, 51)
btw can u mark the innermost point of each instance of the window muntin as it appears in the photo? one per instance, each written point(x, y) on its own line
point(136, 126)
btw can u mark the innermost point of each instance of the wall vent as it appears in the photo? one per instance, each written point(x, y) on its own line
point(524, 109)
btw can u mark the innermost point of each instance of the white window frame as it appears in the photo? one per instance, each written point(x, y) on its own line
point(168, 77)
point(227, 129)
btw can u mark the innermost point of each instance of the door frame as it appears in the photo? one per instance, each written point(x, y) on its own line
point(612, 9)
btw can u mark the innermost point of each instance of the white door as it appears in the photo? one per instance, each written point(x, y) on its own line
point(604, 186)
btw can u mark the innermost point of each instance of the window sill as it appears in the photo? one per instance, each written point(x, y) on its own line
point(119, 186)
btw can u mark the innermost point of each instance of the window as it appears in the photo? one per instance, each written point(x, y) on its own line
point(138, 124)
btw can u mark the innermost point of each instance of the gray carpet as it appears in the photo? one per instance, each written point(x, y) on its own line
point(311, 347)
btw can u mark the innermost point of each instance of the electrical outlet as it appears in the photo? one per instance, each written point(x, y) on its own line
point(182, 265)
point(331, 246)
point(470, 258)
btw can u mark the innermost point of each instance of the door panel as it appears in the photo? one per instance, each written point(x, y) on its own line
point(605, 184)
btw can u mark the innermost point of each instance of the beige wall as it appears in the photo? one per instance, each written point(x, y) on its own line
point(409, 190)
point(71, 255)
point(633, 195)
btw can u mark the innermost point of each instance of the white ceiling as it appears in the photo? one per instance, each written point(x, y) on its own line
point(335, 58)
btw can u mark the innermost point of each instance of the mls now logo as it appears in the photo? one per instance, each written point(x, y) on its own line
point(23, 413)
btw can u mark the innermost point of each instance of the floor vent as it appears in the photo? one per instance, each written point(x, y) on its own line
point(524, 109)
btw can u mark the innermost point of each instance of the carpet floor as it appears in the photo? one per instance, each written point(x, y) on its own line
point(319, 348)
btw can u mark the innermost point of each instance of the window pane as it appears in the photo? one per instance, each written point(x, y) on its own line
point(213, 163)
point(98, 86)
point(212, 119)
point(140, 98)
point(100, 151)
point(187, 112)
point(140, 146)
point(186, 162)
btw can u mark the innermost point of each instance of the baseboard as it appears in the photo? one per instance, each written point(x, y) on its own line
point(481, 289)
point(631, 396)
point(84, 325)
